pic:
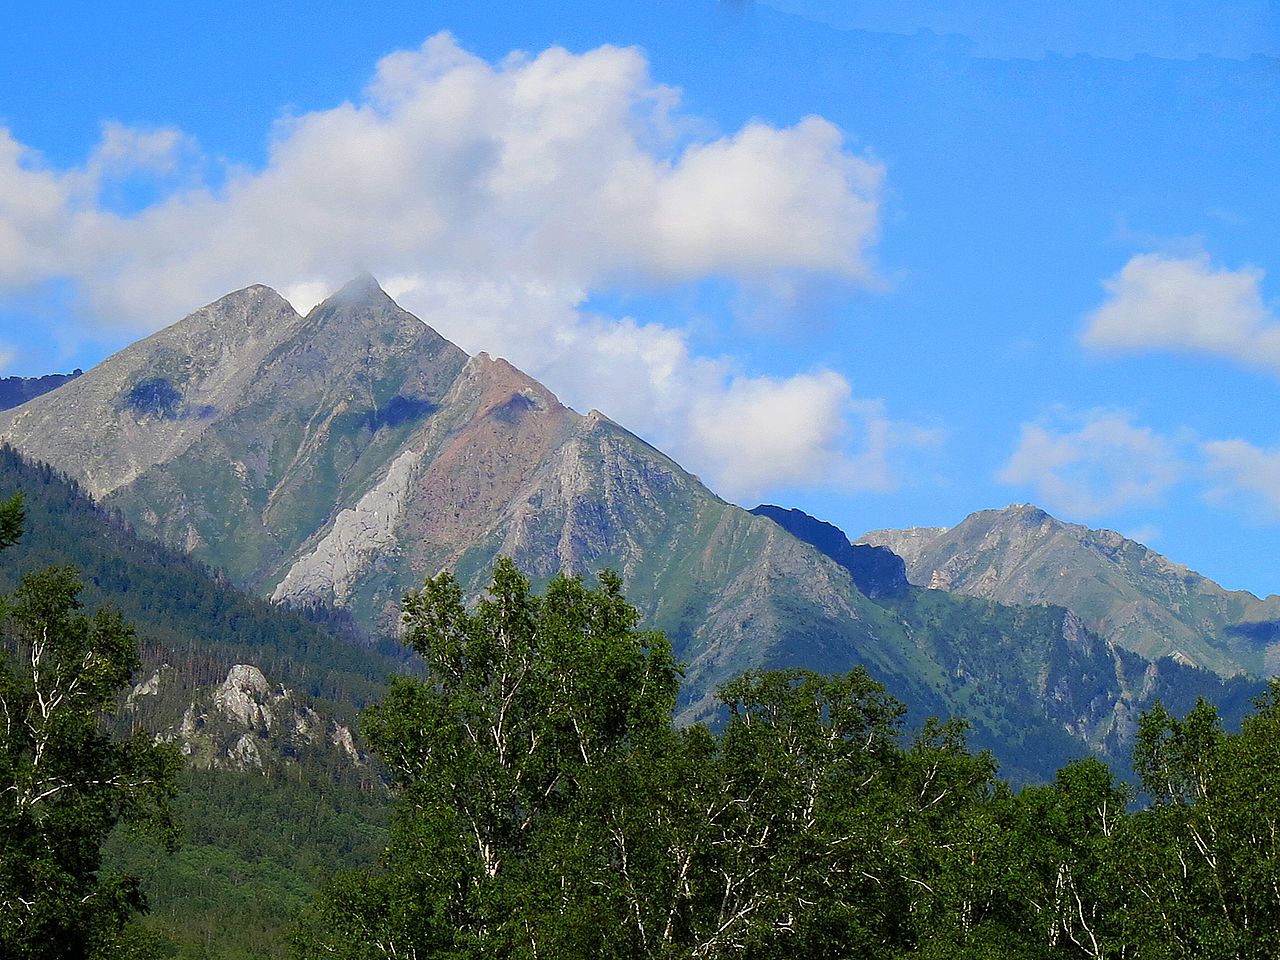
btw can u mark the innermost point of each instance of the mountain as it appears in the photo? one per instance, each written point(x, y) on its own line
point(18, 390)
point(276, 795)
point(1119, 588)
point(342, 456)
point(194, 628)
point(345, 455)
point(876, 571)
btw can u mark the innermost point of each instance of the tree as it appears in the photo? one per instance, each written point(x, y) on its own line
point(11, 518)
point(524, 702)
point(1205, 867)
point(64, 783)
point(547, 806)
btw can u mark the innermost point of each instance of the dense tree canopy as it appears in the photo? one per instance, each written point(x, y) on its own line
point(547, 807)
point(65, 783)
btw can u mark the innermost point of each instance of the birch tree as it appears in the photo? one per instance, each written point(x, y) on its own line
point(65, 784)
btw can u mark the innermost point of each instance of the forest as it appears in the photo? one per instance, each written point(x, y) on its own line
point(540, 802)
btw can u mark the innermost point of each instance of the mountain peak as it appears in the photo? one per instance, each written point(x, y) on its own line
point(360, 290)
point(241, 306)
point(1028, 513)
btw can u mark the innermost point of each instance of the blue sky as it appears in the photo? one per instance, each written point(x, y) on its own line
point(890, 263)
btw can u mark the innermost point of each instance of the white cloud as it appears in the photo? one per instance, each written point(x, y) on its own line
point(493, 199)
point(758, 432)
point(1244, 474)
point(1185, 303)
point(7, 356)
point(1093, 466)
point(743, 434)
point(560, 168)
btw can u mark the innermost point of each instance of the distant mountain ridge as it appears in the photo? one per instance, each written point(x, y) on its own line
point(18, 390)
point(1118, 587)
point(345, 455)
point(877, 571)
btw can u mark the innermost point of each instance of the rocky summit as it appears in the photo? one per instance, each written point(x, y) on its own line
point(345, 455)
point(1119, 588)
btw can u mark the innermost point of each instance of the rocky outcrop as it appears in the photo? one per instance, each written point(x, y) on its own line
point(246, 722)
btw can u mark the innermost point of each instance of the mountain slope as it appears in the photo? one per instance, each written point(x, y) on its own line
point(1118, 587)
point(877, 571)
point(343, 456)
point(1008, 667)
point(276, 795)
point(192, 625)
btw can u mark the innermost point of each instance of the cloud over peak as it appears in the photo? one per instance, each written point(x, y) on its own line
point(494, 199)
point(1093, 465)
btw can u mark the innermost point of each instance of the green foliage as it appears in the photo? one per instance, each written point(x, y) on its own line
point(184, 613)
point(255, 850)
point(547, 807)
point(64, 784)
point(11, 518)
point(523, 701)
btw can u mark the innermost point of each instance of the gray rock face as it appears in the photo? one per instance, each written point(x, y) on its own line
point(1118, 587)
point(248, 723)
point(347, 454)
point(246, 698)
point(150, 402)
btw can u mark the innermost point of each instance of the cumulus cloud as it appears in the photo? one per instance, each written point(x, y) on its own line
point(744, 434)
point(1244, 473)
point(1091, 466)
point(493, 200)
point(808, 430)
point(7, 356)
point(1185, 303)
point(563, 168)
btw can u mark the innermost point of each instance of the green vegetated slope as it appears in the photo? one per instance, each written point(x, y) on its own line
point(1033, 678)
point(342, 457)
point(258, 841)
point(1118, 587)
point(255, 850)
point(185, 614)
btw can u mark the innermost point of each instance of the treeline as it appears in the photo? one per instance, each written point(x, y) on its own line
point(548, 808)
